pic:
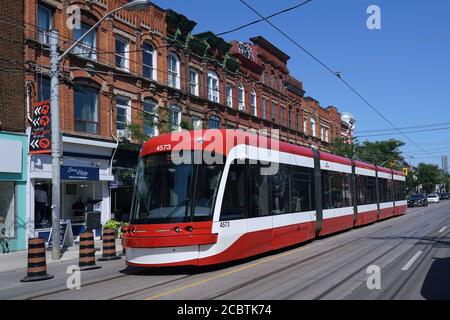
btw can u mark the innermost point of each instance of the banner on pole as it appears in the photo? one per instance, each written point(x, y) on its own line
point(41, 133)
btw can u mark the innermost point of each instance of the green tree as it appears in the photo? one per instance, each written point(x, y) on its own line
point(428, 175)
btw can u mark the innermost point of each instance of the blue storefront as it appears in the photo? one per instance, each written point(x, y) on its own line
point(13, 191)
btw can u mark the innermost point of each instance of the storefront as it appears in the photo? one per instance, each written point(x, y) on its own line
point(13, 181)
point(85, 177)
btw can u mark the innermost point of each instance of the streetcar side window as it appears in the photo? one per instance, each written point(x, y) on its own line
point(400, 190)
point(234, 204)
point(336, 190)
point(366, 190)
point(386, 190)
point(302, 189)
point(280, 190)
point(258, 191)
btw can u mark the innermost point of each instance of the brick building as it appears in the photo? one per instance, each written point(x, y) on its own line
point(148, 65)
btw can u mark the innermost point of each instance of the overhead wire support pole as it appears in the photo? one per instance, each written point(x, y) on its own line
point(56, 146)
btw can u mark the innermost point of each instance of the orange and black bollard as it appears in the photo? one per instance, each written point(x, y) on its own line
point(37, 266)
point(87, 251)
point(109, 245)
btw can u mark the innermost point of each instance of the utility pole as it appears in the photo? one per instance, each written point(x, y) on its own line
point(56, 146)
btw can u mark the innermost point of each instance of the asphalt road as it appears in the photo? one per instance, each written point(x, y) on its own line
point(412, 254)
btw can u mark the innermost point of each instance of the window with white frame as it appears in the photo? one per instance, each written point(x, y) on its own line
point(149, 62)
point(193, 81)
point(45, 24)
point(313, 127)
point(214, 122)
point(122, 53)
point(88, 46)
point(150, 118)
point(305, 121)
point(322, 133)
point(272, 79)
point(213, 86)
point(123, 116)
point(173, 70)
point(86, 109)
point(264, 108)
point(229, 93)
point(175, 117)
point(196, 123)
point(241, 97)
point(326, 135)
point(263, 76)
point(253, 105)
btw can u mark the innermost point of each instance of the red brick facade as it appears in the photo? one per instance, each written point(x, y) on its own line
point(261, 68)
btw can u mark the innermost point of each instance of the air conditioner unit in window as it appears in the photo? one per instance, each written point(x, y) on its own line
point(124, 134)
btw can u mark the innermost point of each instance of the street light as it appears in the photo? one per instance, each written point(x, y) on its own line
point(56, 132)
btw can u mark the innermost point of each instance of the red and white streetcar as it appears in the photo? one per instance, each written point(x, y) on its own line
point(217, 205)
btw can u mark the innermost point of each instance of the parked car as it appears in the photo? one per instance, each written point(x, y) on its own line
point(443, 196)
point(433, 198)
point(417, 200)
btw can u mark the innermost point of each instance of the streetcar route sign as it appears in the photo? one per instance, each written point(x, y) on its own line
point(40, 137)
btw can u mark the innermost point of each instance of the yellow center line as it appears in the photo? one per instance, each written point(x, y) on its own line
point(194, 284)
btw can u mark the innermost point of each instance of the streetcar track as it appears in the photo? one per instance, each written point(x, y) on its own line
point(279, 270)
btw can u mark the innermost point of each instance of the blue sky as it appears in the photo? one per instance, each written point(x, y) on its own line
point(402, 69)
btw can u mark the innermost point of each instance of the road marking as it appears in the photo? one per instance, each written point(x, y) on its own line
point(413, 259)
point(442, 230)
point(194, 284)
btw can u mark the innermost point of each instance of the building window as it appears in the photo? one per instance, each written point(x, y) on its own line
point(322, 133)
point(149, 61)
point(8, 207)
point(253, 102)
point(196, 123)
point(44, 88)
point(87, 47)
point(298, 121)
point(193, 81)
point(274, 111)
point(313, 127)
point(173, 68)
point(150, 119)
point(86, 109)
point(305, 125)
point(229, 92)
point(282, 114)
point(280, 84)
point(264, 108)
point(123, 116)
point(241, 97)
point(122, 53)
point(213, 86)
point(326, 135)
point(45, 24)
point(214, 123)
point(272, 79)
point(263, 76)
point(290, 118)
point(175, 118)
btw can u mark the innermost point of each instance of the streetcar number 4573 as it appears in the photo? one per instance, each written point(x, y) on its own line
point(163, 147)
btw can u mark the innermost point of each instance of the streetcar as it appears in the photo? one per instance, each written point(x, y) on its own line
point(211, 196)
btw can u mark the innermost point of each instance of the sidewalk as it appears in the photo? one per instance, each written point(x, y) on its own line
point(18, 259)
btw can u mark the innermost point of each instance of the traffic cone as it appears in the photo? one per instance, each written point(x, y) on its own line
point(37, 266)
point(109, 245)
point(87, 252)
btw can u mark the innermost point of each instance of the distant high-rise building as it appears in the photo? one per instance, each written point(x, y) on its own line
point(445, 163)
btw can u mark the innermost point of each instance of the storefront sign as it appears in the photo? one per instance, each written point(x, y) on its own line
point(79, 173)
point(41, 133)
point(113, 184)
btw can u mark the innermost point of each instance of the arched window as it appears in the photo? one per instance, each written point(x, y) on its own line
point(253, 102)
point(313, 127)
point(149, 64)
point(214, 122)
point(150, 119)
point(213, 86)
point(175, 117)
point(229, 93)
point(241, 97)
point(173, 69)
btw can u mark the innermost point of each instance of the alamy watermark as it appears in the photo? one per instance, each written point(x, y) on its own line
point(374, 280)
point(374, 20)
point(73, 281)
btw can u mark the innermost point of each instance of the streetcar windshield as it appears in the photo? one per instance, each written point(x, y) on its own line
point(166, 192)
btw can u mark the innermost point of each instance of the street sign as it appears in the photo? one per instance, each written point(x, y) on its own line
point(40, 138)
